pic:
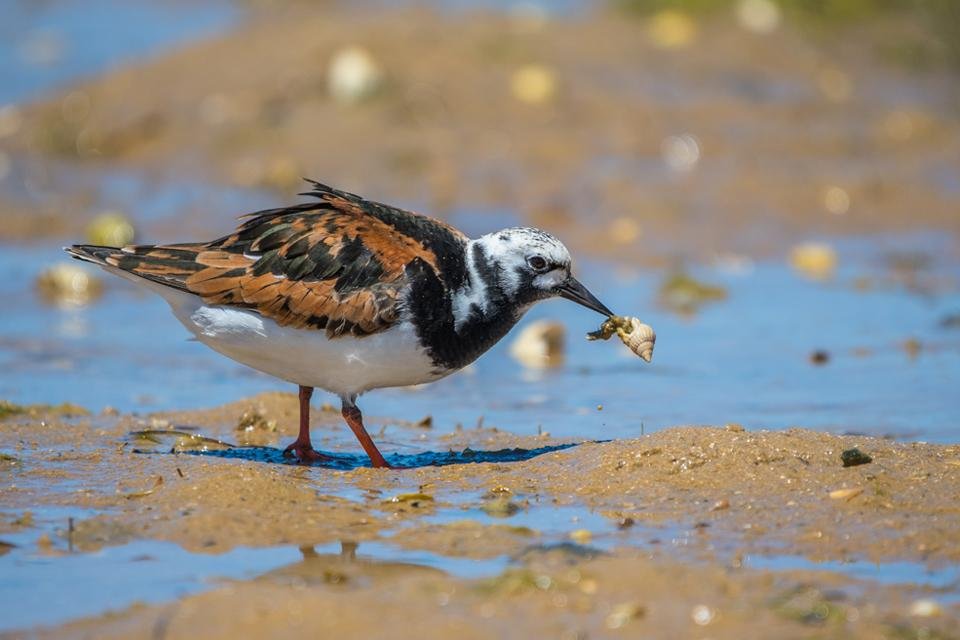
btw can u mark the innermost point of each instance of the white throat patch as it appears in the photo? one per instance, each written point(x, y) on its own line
point(473, 294)
point(506, 253)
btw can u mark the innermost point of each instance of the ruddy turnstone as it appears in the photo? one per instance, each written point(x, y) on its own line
point(350, 295)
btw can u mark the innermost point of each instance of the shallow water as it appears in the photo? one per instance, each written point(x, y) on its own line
point(944, 581)
point(148, 571)
point(742, 360)
point(711, 368)
point(45, 45)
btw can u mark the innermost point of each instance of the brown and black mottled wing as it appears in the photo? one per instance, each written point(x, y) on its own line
point(338, 263)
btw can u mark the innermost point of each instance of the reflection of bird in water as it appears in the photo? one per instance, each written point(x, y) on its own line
point(342, 568)
point(350, 295)
point(348, 550)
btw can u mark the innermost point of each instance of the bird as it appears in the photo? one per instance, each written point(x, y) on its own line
point(349, 295)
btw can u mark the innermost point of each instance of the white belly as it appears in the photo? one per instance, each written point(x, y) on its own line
point(345, 366)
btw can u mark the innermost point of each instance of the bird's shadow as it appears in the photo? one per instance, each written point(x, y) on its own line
point(182, 442)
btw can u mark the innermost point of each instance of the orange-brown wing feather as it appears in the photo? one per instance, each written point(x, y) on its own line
point(332, 270)
point(337, 265)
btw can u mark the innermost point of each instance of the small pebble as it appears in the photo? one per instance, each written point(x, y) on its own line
point(581, 536)
point(846, 494)
point(68, 285)
point(533, 84)
point(912, 347)
point(589, 586)
point(672, 29)
point(814, 260)
point(624, 613)
point(110, 229)
point(500, 507)
point(854, 457)
point(925, 608)
point(540, 345)
point(414, 499)
point(624, 230)
point(353, 75)
point(758, 16)
point(680, 153)
point(702, 615)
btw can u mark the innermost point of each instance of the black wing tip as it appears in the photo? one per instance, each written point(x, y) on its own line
point(96, 254)
point(319, 190)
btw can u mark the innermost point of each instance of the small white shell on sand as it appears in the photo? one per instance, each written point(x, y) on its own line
point(540, 345)
point(353, 75)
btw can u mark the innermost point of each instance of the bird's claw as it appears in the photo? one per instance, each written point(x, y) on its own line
point(304, 452)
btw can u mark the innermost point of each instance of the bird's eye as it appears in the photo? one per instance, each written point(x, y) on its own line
point(537, 263)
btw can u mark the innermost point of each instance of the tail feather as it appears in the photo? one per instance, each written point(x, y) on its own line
point(93, 253)
point(169, 266)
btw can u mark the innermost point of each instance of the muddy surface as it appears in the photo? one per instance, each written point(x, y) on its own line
point(722, 145)
point(552, 595)
point(531, 502)
point(642, 534)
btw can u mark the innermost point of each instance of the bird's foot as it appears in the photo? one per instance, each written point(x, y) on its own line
point(304, 452)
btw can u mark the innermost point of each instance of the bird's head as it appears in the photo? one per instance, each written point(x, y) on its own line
point(529, 265)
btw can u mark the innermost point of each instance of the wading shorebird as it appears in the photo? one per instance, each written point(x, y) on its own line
point(350, 295)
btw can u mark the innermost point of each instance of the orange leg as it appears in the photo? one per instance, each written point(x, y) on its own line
point(301, 447)
point(351, 413)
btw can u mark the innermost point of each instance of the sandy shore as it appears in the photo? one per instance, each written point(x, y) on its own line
point(729, 493)
point(783, 146)
point(719, 150)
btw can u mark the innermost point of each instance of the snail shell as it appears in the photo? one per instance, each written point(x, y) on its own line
point(638, 337)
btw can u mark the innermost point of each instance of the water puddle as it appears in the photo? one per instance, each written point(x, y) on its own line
point(943, 580)
point(116, 577)
point(871, 350)
point(712, 368)
point(173, 441)
point(147, 571)
point(45, 45)
point(113, 578)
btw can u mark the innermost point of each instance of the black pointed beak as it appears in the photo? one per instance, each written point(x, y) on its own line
point(573, 290)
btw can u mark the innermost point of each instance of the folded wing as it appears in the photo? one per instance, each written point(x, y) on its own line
point(336, 264)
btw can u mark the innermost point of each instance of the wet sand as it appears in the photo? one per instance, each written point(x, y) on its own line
point(550, 596)
point(728, 494)
point(783, 146)
point(694, 531)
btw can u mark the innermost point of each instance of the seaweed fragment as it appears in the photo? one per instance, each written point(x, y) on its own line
point(854, 457)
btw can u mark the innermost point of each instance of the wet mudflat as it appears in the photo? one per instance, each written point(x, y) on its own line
point(890, 354)
point(571, 500)
point(689, 526)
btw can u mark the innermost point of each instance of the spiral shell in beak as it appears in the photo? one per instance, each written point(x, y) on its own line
point(639, 338)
